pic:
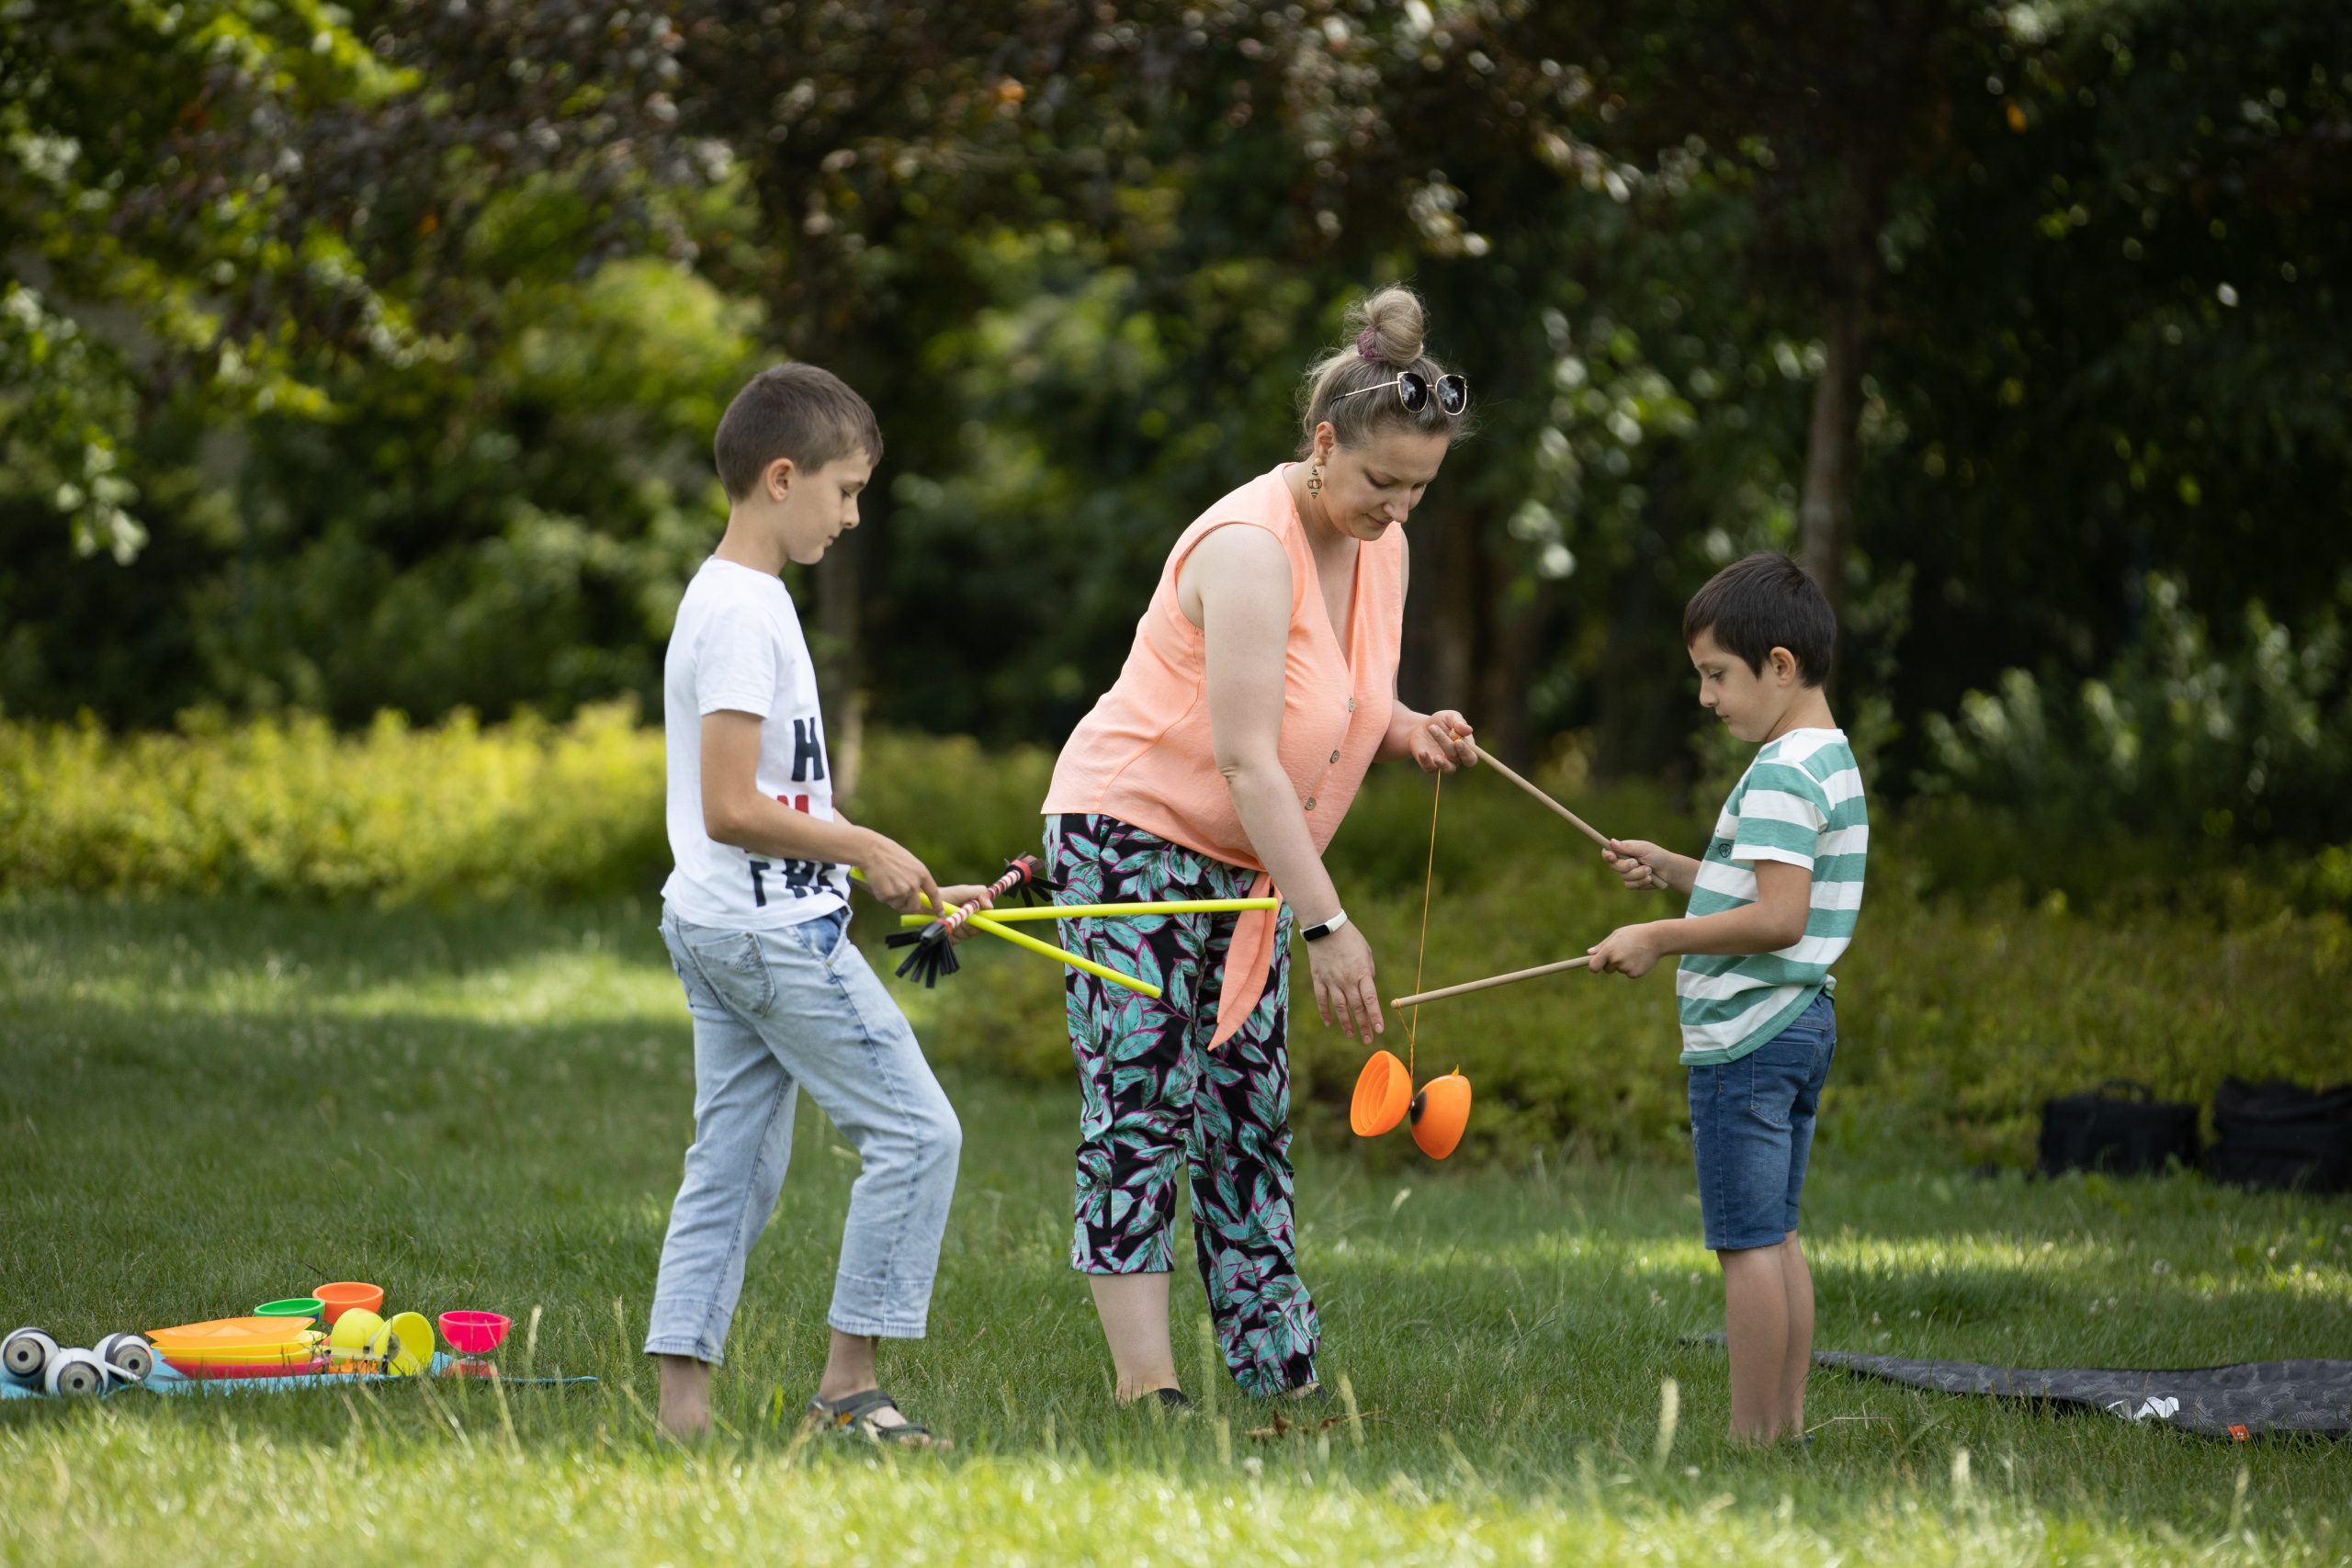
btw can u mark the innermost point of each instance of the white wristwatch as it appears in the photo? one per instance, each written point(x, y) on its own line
point(1316, 933)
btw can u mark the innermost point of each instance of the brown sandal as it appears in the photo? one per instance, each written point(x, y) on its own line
point(852, 1416)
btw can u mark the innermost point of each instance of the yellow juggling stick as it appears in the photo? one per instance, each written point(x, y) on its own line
point(1045, 950)
point(1118, 912)
point(1048, 950)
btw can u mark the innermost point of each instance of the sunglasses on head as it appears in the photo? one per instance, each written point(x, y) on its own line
point(1413, 392)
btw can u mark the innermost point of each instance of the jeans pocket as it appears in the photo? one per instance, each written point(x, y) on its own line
point(736, 968)
point(1778, 1071)
point(822, 937)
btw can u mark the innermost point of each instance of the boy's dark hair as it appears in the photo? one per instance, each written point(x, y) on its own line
point(791, 410)
point(1765, 602)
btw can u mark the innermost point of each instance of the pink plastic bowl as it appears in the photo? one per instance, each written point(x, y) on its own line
point(474, 1333)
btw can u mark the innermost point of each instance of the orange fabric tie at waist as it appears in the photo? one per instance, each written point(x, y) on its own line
point(1248, 960)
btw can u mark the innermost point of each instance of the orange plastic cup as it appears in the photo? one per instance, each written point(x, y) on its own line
point(1440, 1113)
point(1383, 1091)
point(344, 1294)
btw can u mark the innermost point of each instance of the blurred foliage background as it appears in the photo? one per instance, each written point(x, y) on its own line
point(362, 358)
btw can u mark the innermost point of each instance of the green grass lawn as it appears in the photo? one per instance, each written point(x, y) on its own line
point(207, 1105)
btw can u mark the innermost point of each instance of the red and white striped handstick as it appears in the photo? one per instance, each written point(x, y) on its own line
point(1026, 868)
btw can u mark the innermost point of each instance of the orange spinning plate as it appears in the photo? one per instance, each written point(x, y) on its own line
point(1383, 1091)
point(231, 1334)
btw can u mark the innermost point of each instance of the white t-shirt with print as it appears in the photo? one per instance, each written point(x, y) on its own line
point(738, 646)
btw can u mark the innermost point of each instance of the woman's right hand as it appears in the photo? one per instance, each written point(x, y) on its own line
point(1342, 970)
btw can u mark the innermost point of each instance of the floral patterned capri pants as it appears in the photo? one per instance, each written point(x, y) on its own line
point(1154, 1096)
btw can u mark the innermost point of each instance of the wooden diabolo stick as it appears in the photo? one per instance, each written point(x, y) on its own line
point(1491, 981)
point(1578, 823)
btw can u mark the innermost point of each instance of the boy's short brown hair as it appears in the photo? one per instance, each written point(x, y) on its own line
point(800, 411)
point(1761, 602)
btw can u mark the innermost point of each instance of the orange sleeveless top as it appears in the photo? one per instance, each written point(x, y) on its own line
point(1144, 754)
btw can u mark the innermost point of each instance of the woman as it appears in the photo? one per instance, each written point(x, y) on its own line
point(1261, 685)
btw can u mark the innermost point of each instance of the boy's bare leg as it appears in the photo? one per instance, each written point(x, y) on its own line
point(848, 1369)
point(684, 1410)
point(1134, 1309)
point(1798, 1279)
point(1756, 1321)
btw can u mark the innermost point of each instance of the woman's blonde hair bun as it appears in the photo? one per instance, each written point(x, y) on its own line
point(1385, 330)
point(1392, 322)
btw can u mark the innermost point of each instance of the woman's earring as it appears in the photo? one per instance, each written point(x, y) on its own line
point(1314, 479)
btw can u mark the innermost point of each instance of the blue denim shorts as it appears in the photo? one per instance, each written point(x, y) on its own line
point(1751, 1131)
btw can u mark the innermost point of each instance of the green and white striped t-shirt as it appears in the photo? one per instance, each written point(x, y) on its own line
point(1799, 802)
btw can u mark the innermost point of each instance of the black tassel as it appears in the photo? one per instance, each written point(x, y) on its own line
point(930, 959)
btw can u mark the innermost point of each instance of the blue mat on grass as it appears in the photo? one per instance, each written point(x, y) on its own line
point(166, 1380)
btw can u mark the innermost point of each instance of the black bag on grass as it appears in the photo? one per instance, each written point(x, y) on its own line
point(2282, 1134)
point(2127, 1131)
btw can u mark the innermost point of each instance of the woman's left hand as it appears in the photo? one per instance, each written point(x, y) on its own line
point(1443, 743)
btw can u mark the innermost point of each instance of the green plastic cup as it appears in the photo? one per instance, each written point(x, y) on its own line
point(292, 1306)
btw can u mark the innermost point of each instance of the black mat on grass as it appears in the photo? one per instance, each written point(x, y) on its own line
point(2254, 1399)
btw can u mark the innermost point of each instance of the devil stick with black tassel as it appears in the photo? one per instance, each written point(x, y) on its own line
point(934, 952)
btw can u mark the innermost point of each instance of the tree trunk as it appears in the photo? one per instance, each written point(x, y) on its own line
point(1642, 711)
point(1509, 669)
point(1832, 446)
point(840, 674)
point(1442, 620)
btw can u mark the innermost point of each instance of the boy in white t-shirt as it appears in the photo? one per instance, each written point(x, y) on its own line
point(755, 915)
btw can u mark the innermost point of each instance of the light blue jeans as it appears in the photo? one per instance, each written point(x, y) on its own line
point(774, 1010)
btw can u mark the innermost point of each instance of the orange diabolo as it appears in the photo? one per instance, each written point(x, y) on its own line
point(1385, 1097)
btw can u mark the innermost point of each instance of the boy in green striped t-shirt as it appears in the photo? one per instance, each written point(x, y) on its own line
point(1772, 905)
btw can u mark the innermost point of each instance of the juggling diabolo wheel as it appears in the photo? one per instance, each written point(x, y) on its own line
point(26, 1352)
point(129, 1354)
point(73, 1374)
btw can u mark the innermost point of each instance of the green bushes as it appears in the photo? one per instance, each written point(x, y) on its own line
point(288, 807)
point(2251, 744)
point(1973, 991)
